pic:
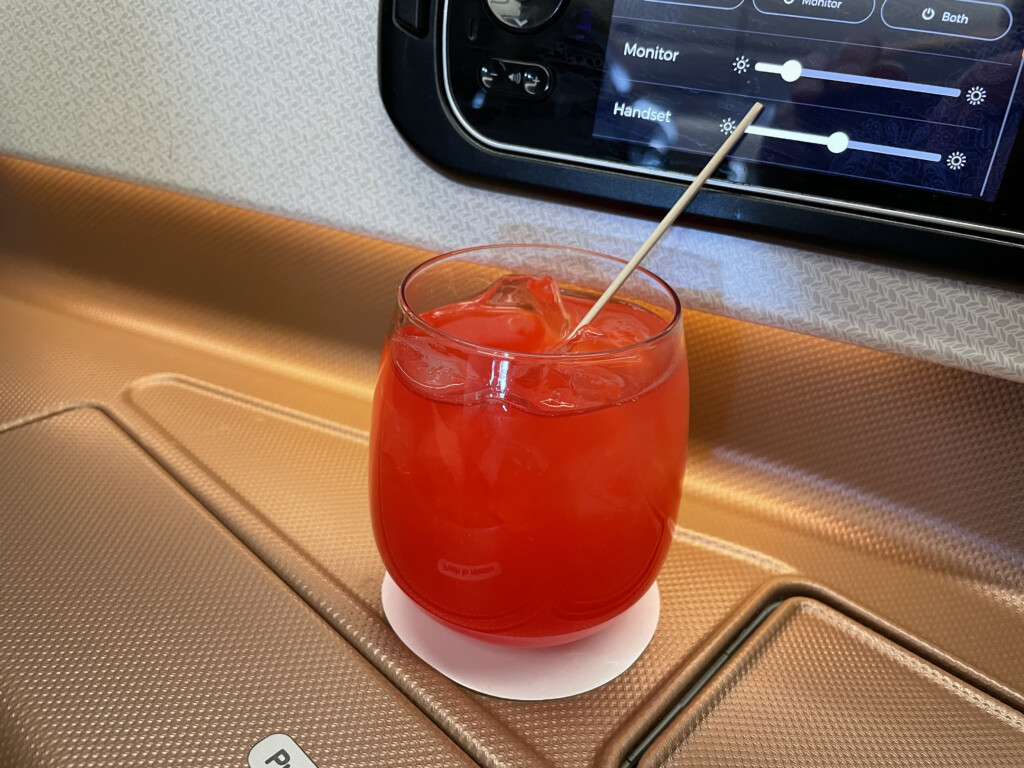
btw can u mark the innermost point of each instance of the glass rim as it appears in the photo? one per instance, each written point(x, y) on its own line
point(604, 354)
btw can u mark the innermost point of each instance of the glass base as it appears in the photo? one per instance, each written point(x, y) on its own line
point(524, 674)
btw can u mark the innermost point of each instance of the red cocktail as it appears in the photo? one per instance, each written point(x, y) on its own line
point(524, 486)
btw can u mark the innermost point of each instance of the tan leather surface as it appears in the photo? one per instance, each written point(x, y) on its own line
point(812, 687)
point(237, 289)
point(134, 630)
point(240, 350)
point(307, 481)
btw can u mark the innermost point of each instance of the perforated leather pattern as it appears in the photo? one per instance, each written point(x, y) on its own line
point(696, 583)
point(309, 482)
point(896, 484)
point(814, 688)
point(912, 436)
point(893, 482)
point(134, 630)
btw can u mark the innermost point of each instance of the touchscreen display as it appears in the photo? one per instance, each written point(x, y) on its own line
point(917, 93)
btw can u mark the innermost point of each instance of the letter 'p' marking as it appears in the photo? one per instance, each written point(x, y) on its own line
point(279, 750)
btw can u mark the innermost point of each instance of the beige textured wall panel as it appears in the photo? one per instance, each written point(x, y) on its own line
point(274, 106)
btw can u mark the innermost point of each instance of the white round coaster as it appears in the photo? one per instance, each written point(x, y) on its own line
point(526, 674)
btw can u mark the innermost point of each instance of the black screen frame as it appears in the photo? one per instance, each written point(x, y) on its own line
point(986, 248)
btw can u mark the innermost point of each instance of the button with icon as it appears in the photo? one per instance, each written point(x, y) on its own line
point(843, 11)
point(515, 78)
point(973, 19)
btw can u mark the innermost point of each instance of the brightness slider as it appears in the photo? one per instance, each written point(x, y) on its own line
point(793, 70)
point(840, 142)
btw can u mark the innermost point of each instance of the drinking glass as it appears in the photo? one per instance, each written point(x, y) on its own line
point(526, 498)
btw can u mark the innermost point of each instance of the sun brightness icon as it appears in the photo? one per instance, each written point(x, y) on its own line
point(956, 160)
point(740, 64)
point(728, 125)
point(976, 95)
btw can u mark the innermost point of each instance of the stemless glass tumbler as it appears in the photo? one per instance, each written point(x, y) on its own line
point(527, 498)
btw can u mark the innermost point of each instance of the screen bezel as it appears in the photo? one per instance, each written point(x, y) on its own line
point(551, 142)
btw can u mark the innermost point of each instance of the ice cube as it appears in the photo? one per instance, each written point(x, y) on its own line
point(435, 369)
point(619, 325)
point(538, 296)
point(516, 314)
point(628, 325)
point(588, 339)
point(572, 386)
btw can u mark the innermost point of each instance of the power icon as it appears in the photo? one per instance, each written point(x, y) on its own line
point(928, 14)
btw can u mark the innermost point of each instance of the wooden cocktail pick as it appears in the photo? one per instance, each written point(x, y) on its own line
point(672, 215)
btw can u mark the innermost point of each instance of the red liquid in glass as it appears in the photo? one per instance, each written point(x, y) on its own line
point(532, 508)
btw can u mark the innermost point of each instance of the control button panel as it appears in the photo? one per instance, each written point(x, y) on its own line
point(524, 14)
point(515, 78)
point(843, 11)
point(971, 19)
point(898, 110)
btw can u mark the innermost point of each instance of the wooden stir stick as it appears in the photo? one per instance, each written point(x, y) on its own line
point(672, 215)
